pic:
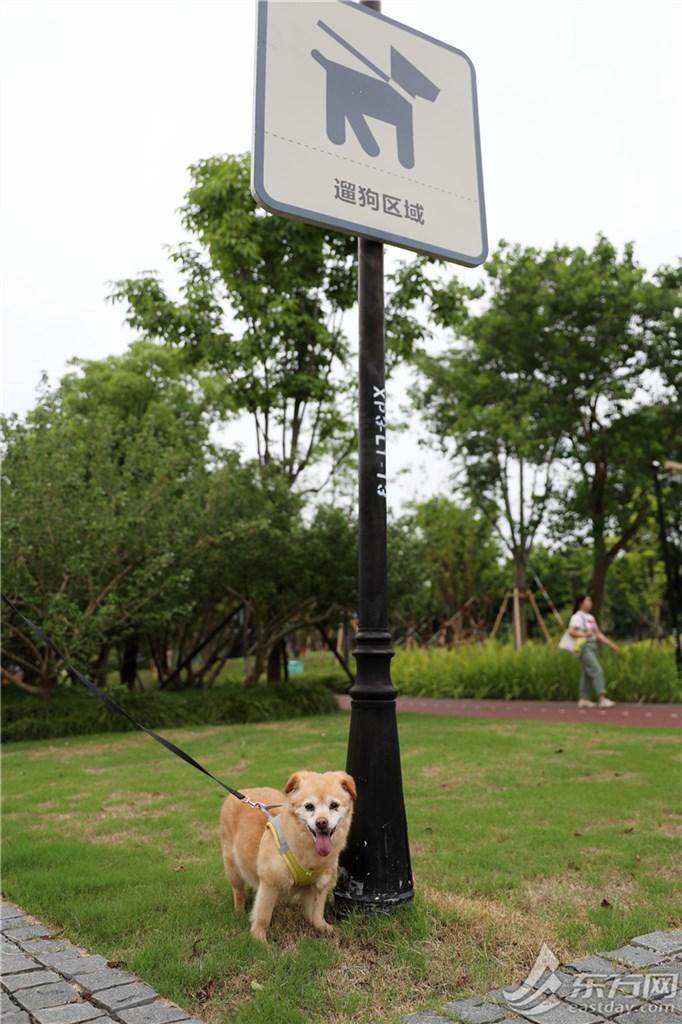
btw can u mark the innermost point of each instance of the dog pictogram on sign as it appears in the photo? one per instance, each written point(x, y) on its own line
point(353, 96)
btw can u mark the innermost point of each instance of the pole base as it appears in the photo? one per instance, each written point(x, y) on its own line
point(378, 903)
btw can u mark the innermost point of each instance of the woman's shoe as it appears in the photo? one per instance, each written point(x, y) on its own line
point(604, 702)
point(585, 703)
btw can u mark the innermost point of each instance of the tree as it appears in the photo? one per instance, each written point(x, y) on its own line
point(445, 571)
point(100, 486)
point(557, 375)
point(258, 320)
point(606, 381)
point(485, 402)
point(286, 572)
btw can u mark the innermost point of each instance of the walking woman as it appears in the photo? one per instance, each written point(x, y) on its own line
point(586, 634)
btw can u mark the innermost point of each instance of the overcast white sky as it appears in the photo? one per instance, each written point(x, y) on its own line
point(105, 103)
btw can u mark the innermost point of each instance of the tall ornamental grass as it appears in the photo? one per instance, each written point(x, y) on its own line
point(638, 672)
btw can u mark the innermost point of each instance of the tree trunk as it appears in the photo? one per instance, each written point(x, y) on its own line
point(275, 663)
point(129, 661)
point(519, 624)
point(597, 584)
point(100, 667)
point(600, 558)
point(255, 670)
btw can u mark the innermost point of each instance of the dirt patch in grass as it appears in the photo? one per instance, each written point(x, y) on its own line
point(609, 777)
point(625, 824)
point(288, 727)
point(669, 873)
point(119, 838)
point(135, 804)
point(506, 728)
point(546, 896)
point(62, 817)
point(220, 1000)
point(443, 776)
point(195, 733)
point(420, 846)
point(513, 934)
point(670, 828)
point(448, 962)
point(73, 750)
point(384, 987)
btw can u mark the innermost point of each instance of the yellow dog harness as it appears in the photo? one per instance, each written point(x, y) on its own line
point(300, 875)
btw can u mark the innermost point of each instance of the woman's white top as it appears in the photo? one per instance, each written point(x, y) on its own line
point(585, 622)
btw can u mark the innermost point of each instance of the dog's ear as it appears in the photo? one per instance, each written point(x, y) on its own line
point(293, 783)
point(348, 783)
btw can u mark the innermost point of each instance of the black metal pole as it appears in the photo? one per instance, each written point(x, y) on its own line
point(669, 572)
point(375, 871)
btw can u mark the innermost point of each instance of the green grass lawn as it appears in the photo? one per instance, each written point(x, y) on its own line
point(521, 833)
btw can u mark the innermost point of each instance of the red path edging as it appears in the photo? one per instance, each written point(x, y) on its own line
point(655, 715)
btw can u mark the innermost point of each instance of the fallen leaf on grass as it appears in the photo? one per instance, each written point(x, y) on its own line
point(256, 986)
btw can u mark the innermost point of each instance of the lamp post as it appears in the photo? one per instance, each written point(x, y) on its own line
point(375, 866)
point(316, 159)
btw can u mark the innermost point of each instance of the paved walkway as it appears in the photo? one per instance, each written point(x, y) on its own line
point(640, 983)
point(51, 981)
point(540, 711)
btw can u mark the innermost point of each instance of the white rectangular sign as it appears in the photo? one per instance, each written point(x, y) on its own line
point(367, 126)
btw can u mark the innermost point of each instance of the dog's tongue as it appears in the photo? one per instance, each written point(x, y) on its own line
point(323, 844)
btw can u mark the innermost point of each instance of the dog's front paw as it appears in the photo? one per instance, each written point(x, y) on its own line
point(259, 933)
point(324, 928)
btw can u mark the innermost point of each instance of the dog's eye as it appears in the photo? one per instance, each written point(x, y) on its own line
point(309, 807)
point(333, 806)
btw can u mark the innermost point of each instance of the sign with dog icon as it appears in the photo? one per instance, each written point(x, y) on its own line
point(367, 126)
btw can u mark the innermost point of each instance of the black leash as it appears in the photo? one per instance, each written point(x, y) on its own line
point(106, 699)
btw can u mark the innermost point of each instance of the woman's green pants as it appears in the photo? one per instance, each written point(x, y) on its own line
point(591, 672)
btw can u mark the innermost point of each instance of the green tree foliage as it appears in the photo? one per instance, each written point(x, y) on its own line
point(128, 535)
point(609, 383)
point(445, 571)
point(635, 589)
point(99, 496)
point(485, 400)
point(259, 318)
point(559, 391)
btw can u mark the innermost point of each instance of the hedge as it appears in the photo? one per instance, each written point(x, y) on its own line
point(68, 713)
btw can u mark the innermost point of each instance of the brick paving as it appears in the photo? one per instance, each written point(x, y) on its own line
point(656, 715)
point(640, 983)
point(51, 981)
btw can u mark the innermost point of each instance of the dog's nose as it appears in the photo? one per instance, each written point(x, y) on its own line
point(322, 824)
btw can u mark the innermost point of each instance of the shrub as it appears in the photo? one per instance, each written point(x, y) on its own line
point(69, 713)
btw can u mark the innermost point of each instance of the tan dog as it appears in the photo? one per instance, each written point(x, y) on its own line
point(314, 820)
